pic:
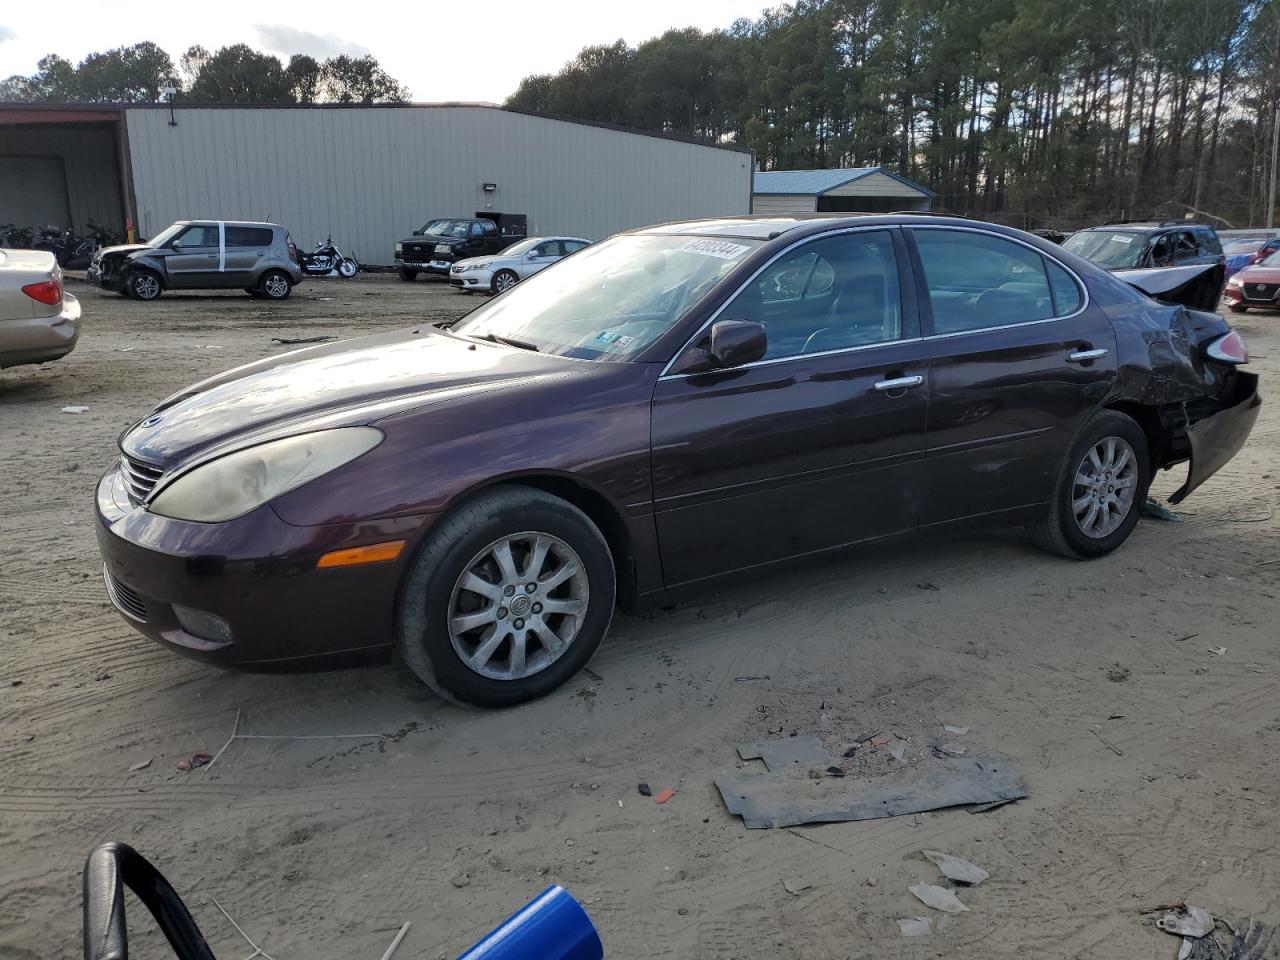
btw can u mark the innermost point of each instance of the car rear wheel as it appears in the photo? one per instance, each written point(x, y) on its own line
point(143, 285)
point(1100, 492)
point(507, 599)
point(504, 280)
point(408, 276)
point(275, 285)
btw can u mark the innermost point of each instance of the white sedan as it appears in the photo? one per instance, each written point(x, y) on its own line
point(507, 268)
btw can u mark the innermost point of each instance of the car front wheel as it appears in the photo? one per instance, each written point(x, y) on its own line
point(504, 280)
point(1237, 308)
point(1100, 492)
point(507, 599)
point(143, 285)
point(408, 276)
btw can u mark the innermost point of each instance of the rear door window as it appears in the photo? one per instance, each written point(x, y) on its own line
point(977, 280)
point(248, 237)
point(1185, 247)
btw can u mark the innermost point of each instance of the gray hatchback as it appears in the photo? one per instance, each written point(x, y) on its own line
point(260, 258)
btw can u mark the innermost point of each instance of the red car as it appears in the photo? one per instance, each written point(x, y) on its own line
point(672, 406)
point(1254, 286)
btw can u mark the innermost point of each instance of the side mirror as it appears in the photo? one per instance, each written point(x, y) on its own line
point(736, 342)
point(176, 245)
point(417, 233)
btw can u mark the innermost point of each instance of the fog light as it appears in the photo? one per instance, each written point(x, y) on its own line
point(203, 625)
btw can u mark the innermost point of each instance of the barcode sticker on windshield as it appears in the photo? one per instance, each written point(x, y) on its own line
point(715, 248)
point(1120, 238)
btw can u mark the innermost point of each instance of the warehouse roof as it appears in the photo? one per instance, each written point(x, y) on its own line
point(818, 182)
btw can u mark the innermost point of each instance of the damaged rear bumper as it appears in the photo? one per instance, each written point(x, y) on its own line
point(1217, 438)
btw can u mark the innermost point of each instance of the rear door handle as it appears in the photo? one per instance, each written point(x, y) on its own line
point(1084, 356)
point(899, 383)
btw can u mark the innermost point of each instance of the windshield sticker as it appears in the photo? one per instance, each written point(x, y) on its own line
point(1120, 238)
point(607, 336)
point(715, 248)
point(622, 341)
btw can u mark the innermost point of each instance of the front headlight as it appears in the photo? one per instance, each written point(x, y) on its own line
point(232, 485)
point(399, 249)
point(1233, 282)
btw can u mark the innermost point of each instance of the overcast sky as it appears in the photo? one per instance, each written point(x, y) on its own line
point(442, 50)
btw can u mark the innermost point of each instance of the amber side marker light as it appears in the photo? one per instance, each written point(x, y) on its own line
point(353, 557)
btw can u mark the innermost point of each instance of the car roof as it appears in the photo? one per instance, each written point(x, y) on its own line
point(768, 227)
point(229, 223)
point(1146, 226)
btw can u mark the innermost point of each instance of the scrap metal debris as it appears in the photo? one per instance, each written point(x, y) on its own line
point(785, 797)
point(957, 869)
point(1157, 510)
point(75, 408)
point(915, 926)
point(293, 341)
point(1189, 922)
point(939, 898)
point(801, 753)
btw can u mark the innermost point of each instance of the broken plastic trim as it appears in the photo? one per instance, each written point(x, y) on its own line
point(1219, 437)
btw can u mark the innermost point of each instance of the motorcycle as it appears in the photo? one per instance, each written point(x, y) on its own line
point(326, 260)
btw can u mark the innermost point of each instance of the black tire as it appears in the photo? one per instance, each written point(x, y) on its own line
point(270, 287)
point(503, 280)
point(1058, 530)
point(408, 276)
point(428, 587)
point(1237, 308)
point(142, 284)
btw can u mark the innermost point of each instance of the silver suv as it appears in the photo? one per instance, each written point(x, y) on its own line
point(260, 258)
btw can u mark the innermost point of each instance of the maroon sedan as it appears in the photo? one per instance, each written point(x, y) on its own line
point(1257, 285)
point(673, 405)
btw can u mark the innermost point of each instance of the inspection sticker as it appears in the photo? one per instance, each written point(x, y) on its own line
point(715, 248)
point(1120, 238)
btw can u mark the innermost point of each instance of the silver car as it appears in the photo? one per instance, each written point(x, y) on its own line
point(498, 272)
point(39, 320)
point(260, 258)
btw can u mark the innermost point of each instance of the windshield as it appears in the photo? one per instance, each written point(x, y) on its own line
point(612, 299)
point(1105, 248)
point(167, 234)
point(1241, 246)
point(1271, 261)
point(446, 228)
point(524, 245)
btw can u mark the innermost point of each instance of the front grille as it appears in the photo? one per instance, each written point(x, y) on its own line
point(124, 599)
point(140, 478)
point(1261, 291)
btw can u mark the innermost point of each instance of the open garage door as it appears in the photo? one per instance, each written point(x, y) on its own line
point(33, 191)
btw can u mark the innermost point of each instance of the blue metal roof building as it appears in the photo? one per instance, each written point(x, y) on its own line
point(857, 190)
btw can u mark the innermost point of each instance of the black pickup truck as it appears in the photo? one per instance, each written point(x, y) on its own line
point(442, 242)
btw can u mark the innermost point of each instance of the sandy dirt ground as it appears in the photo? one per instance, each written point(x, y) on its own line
point(452, 818)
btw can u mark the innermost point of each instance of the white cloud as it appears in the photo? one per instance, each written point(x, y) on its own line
point(7, 34)
point(286, 40)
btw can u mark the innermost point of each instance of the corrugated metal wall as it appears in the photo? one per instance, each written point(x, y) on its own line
point(777, 204)
point(91, 161)
point(370, 175)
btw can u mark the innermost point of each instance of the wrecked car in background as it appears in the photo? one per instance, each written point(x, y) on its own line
point(1257, 285)
point(259, 258)
point(666, 408)
point(39, 320)
point(1158, 245)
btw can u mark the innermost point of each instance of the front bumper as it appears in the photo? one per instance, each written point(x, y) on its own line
point(472, 280)
point(258, 575)
point(40, 339)
point(1217, 438)
point(1232, 296)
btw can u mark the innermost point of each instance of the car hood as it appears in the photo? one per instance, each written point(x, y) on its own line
point(483, 263)
point(122, 249)
point(433, 240)
point(1257, 274)
point(340, 384)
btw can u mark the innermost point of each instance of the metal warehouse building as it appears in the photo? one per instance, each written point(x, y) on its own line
point(857, 190)
point(366, 174)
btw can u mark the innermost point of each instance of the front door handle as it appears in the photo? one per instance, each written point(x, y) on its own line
point(1084, 356)
point(899, 383)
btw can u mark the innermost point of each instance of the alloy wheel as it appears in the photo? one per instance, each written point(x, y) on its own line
point(1103, 490)
point(276, 286)
point(504, 281)
point(518, 606)
point(146, 286)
